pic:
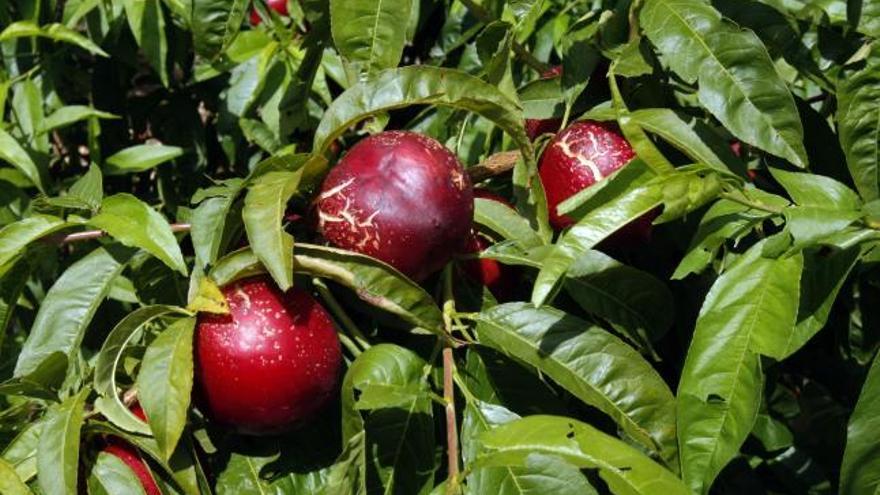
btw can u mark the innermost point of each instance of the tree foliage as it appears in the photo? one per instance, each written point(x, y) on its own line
point(152, 151)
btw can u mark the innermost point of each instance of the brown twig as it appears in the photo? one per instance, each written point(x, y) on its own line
point(451, 423)
point(496, 164)
point(88, 235)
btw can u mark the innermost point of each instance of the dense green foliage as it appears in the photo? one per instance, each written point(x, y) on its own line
point(733, 353)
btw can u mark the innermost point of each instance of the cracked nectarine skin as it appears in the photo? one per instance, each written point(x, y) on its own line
point(581, 155)
point(273, 361)
point(401, 197)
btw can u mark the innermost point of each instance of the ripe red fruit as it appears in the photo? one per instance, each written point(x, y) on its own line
point(499, 279)
point(400, 197)
point(132, 458)
point(274, 360)
point(536, 127)
point(279, 6)
point(583, 154)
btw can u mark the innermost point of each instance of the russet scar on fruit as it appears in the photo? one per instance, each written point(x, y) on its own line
point(400, 197)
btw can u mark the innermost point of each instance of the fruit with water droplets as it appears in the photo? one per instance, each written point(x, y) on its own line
point(398, 196)
point(270, 363)
point(583, 154)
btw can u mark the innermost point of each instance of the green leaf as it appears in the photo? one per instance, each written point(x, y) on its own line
point(861, 459)
point(209, 221)
point(215, 23)
point(89, 189)
point(817, 190)
point(15, 237)
point(635, 303)
point(12, 152)
point(54, 32)
point(69, 306)
point(10, 483)
point(858, 121)
point(672, 128)
point(133, 223)
point(208, 298)
point(540, 474)
point(348, 475)
point(147, 24)
point(592, 364)
point(110, 475)
point(372, 280)
point(737, 80)
point(725, 220)
point(506, 222)
point(71, 114)
point(630, 194)
point(868, 20)
point(165, 383)
point(21, 452)
point(750, 311)
point(109, 359)
point(140, 157)
point(58, 450)
point(399, 431)
point(622, 467)
point(542, 99)
point(368, 34)
point(264, 207)
point(11, 286)
point(824, 275)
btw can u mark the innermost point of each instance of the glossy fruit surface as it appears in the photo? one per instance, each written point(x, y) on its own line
point(398, 196)
point(273, 361)
point(132, 458)
point(536, 127)
point(583, 154)
point(279, 6)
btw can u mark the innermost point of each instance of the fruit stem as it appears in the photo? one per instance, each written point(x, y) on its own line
point(348, 325)
point(349, 344)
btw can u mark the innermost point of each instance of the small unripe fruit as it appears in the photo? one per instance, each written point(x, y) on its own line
point(536, 127)
point(132, 458)
point(279, 6)
point(583, 154)
point(400, 197)
point(495, 276)
point(273, 361)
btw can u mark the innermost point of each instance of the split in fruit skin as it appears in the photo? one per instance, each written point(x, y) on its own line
point(400, 197)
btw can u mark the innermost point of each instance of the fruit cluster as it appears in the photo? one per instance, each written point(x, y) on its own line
point(403, 198)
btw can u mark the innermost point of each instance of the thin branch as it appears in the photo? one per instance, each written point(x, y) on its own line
point(496, 164)
point(451, 422)
point(89, 235)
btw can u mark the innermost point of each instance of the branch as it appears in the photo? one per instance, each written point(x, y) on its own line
point(451, 423)
point(88, 235)
point(496, 164)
